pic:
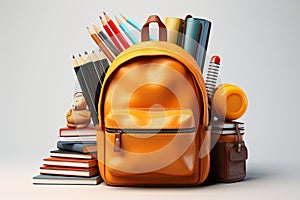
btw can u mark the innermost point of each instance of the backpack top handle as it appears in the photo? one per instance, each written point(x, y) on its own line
point(162, 28)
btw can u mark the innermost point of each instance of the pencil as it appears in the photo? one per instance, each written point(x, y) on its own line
point(111, 35)
point(100, 44)
point(75, 62)
point(98, 66)
point(106, 40)
point(115, 29)
point(96, 82)
point(126, 31)
point(82, 77)
point(134, 24)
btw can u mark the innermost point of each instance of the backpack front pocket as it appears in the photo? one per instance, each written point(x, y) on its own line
point(153, 142)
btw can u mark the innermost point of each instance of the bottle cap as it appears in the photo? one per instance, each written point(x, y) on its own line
point(215, 59)
point(229, 102)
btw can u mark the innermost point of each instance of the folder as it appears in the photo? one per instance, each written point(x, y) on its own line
point(192, 35)
point(196, 38)
point(203, 43)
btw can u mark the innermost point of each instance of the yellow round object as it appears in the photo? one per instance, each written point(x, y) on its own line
point(229, 102)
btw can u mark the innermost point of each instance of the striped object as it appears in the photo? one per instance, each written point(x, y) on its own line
point(212, 75)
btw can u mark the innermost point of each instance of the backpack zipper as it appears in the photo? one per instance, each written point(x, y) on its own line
point(119, 132)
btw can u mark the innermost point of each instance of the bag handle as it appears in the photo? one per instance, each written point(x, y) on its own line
point(239, 137)
point(184, 28)
point(162, 28)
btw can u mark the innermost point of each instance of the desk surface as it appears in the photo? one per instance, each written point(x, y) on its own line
point(264, 181)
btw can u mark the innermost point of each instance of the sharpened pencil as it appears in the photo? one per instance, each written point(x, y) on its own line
point(134, 24)
point(107, 41)
point(83, 79)
point(100, 44)
point(126, 31)
point(111, 35)
point(116, 31)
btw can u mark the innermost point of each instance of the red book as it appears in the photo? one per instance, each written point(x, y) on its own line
point(69, 171)
point(73, 132)
point(70, 162)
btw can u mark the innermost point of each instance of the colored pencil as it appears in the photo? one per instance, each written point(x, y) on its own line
point(117, 32)
point(111, 35)
point(83, 79)
point(126, 31)
point(100, 44)
point(96, 82)
point(134, 24)
point(106, 40)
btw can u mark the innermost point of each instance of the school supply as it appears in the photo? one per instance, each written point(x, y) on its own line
point(192, 35)
point(229, 153)
point(174, 26)
point(196, 38)
point(71, 154)
point(154, 115)
point(116, 31)
point(66, 180)
point(135, 25)
point(83, 78)
point(203, 43)
point(111, 35)
point(212, 75)
point(106, 40)
point(78, 139)
point(70, 162)
point(66, 131)
point(229, 102)
point(77, 147)
point(69, 171)
point(126, 31)
point(98, 41)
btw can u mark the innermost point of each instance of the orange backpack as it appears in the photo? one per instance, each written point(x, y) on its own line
point(153, 112)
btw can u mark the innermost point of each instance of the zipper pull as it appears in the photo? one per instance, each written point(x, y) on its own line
point(117, 145)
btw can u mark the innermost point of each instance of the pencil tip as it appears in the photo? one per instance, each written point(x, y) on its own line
point(87, 28)
point(85, 52)
point(73, 56)
point(104, 13)
point(93, 51)
point(79, 55)
point(100, 17)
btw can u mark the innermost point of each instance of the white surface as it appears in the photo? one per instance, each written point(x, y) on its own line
point(264, 181)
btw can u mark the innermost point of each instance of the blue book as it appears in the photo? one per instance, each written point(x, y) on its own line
point(196, 38)
point(192, 33)
point(85, 147)
point(203, 43)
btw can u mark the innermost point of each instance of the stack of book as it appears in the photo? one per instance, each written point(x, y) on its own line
point(74, 161)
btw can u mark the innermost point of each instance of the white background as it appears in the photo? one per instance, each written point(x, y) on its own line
point(256, 40)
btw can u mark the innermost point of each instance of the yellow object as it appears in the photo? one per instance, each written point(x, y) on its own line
point(229, 102)
point(153, 76)
point(154, 116)
point(173, 27)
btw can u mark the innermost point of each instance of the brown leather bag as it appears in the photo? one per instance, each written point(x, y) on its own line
point(228, 156)
point(153, 115)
